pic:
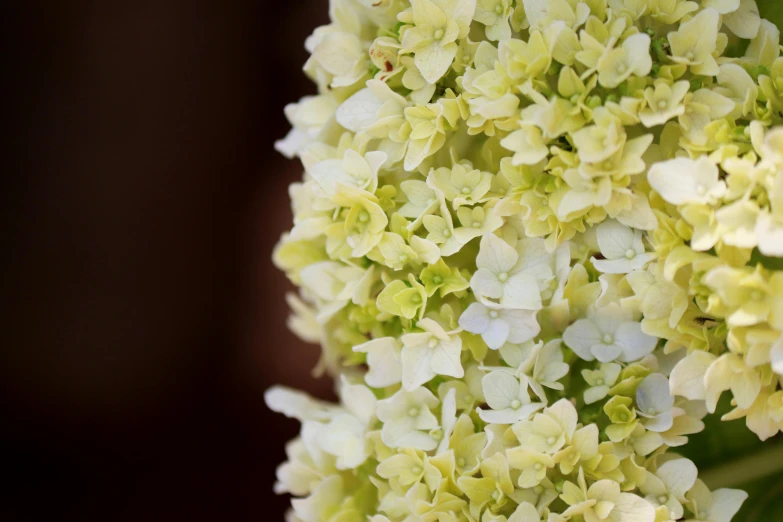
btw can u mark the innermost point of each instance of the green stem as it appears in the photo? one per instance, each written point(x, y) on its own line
point(747, 469)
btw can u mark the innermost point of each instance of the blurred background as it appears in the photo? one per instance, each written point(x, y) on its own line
point(142, 317)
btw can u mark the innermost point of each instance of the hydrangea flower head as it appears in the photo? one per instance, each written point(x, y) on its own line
point(538, 241)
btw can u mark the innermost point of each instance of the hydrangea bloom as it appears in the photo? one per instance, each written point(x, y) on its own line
point(537, 241)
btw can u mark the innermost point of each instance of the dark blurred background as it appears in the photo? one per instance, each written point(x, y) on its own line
point(141, 199)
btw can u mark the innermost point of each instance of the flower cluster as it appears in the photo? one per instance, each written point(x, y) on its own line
point(536, 241)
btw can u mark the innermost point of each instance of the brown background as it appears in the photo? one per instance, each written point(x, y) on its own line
point(142, 318)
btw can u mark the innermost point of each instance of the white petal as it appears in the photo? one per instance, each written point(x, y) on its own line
point(632, 508)
point(635, 343)
point(525, 512)
point(475, 319)
point(416, 366)
point(745, 21)
point(614, 239)
point(581, 336)
point(358, 399)
point(434, 61)
point(726, 503)
point(682, 180)
point(500, 389)
point(383, 358)
point(521, 291)
point(296, 404)
point(496, 255)
point(679, 475)
point(687, 377)
point(497, 333)
point(614, 266)
point(486, 284)
point(523, 325)
point(446, 358)
point(653, 396)
point(640, 216)
point(606, 352)
point(359, 111)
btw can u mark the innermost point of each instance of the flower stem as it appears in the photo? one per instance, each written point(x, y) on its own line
point(747, 469)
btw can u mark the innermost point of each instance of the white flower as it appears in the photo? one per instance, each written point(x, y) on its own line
point(604, 501)
point(695, 41)
point(549, 431)
point(681, 180)
point(600, 381)
point(607, 335)
point(430, 353)
point(669, 484)
point(374, 109)
point(655, 403)
point(508, 397)
point(633, 57)
point(543, 364)
point(664, 102)
point(339, 431)
point(354, 170)
point(687, 377)
point(497, 327)
point(438, 24)
point(406, 417)
point(745, 21)
point(714, 506)
point(494, 14)
point(621, 247)
point(384, 361)
point(309, 117)
point(344, 435)
point(500, 276)
point(336, 284)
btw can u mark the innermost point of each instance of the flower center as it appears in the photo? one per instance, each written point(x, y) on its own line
point(701, 189)
point(621, 68)
point(515, 404)
point(498, 9)
point(630, 253)
point(551, 440)
point(437, 280)
point(476, 224)
point(403, 258)
point(467, 398)
point(438, 34)
point(413, 412)
point(461, 462)
point(662, 104)
point(599, 382)
point(538, 466)
point(364, 217)
point(465, 190)
point(447, 233)
point(690, 56)
point(493, 314)
point(503, 276)
point(433, 343)
point(416, 470)
point(662, 499)
point(756, 295)
point(416, 299)
point(608, 339)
